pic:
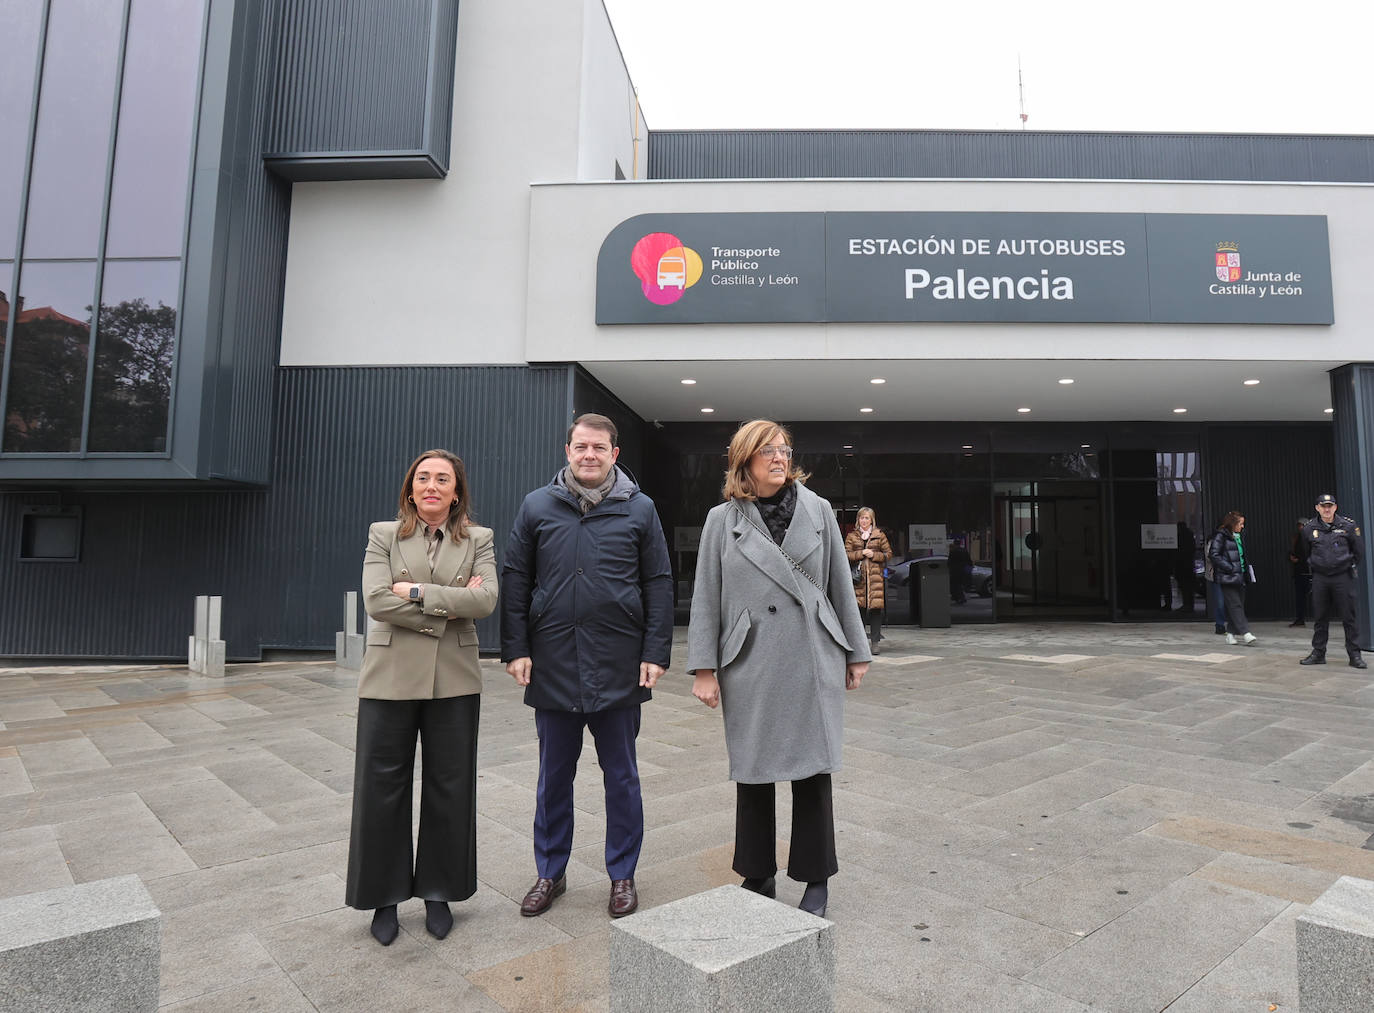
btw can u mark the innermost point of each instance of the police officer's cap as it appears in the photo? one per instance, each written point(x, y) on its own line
point(1325, 498)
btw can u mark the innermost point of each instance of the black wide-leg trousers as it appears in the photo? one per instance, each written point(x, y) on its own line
point(383, 869)
point(812, 857)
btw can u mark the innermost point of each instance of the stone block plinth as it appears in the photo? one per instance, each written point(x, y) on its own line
point(1336, 949)
point(725, 949)
point(90, 948)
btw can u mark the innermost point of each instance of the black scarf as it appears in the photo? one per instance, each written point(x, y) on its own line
point(777, 510)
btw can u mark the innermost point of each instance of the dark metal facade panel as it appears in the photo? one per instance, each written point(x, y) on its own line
point(1352, 397)
point(283, 556)
point(361, 78)
point(1006, 154)
point(249, 326)
point(1272, 475)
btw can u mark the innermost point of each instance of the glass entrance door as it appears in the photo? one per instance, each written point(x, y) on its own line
point(1050, 551)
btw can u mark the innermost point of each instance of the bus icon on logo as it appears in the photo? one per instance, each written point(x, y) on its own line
point(672, 271)
point(665, 266)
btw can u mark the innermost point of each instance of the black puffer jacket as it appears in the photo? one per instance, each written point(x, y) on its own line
point(586, 597)
point(1225, 556)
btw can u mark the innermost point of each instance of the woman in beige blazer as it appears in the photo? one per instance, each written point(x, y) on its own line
point(426, 576)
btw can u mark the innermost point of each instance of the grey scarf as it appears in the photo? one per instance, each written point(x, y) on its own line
point(587, 498)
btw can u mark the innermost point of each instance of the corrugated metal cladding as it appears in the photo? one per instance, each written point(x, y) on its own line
point(1271, 474)
point(357, 77)
point(1009, 154)
point(590, 396)
point(282, 557)
point(250, 324)
point(1352, 397)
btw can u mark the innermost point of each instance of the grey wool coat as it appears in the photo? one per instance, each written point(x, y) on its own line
point(779, 644)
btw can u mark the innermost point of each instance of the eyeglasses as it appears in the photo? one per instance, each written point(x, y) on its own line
point(785, 452)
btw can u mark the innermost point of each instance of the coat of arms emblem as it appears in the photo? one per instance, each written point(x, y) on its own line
point(1228, 261)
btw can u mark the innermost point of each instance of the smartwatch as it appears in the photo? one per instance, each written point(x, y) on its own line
point(414, 592)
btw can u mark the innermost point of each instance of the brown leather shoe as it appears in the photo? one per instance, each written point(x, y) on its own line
point(542, 895)
point(624, 898)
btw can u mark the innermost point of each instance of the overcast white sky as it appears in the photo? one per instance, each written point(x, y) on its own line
point(1208, 65)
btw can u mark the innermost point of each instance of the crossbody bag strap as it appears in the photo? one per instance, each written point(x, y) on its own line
point(785, 554)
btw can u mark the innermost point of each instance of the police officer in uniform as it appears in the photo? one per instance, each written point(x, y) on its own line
point(1335, 547)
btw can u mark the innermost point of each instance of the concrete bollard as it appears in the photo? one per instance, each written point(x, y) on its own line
point(205, 650)
point(348, 645)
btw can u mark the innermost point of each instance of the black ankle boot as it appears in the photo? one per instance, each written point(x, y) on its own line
point(438, 918)
point(768, 887)
point(815, 897)
point(1315, 658)
point(385, 928)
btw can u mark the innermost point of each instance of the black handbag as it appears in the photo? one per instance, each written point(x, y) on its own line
point(858, 571)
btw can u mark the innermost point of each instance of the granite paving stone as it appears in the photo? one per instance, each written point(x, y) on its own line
point(988, 811)
point(1087, 894)
point(1155, 952)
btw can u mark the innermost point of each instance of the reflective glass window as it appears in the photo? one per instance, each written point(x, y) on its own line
point(71, 146)
point(47, 377)
point(23, 21)
point(133, 357)
point(153, 146)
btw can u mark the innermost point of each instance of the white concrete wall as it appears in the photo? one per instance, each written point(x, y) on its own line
point(433, 271)
point(569, 222)
point(607, 120)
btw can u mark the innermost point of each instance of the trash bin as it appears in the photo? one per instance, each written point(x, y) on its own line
point(930, 595)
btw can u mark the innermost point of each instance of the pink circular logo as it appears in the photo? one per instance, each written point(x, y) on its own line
point(665, 267)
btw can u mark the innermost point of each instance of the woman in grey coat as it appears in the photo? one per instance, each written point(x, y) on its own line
point(776, 638)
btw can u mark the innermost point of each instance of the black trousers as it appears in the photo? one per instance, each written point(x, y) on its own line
point(1234, 596)
point(812, 856)
point(874, 619)
point(1302, 589)
point(1333, 597)
point(380, 856)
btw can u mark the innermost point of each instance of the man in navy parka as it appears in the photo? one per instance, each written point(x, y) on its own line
point(587, 629)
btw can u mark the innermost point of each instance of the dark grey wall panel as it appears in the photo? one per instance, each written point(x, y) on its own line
point(1010, 154)
point(363, 89)
point(282, 557)
point(1352, 397)
point(1271, 474)
point(249, 296)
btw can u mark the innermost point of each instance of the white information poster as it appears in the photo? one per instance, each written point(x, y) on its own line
point(927, 539)
point(1159, 536)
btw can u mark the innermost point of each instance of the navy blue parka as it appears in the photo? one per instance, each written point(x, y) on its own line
point(586, 597)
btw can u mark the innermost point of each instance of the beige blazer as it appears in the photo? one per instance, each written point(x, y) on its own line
point(424, 650)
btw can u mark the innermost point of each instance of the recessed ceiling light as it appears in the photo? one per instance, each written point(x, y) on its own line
point(687, 381)
point(968, 446)
point(1024, 411)
point(707, 411)
point(1328, 411)
point(1066, 380)
point(877, 379)
point(1180, 411)
point(866, 411)
point(1251, 383)
point(1084, 446)
point(848, 446)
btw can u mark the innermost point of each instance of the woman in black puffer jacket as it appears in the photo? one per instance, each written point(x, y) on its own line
point(1231, 573)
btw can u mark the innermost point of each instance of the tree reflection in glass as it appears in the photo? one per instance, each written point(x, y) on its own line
point(133, 357)
point(47, 378)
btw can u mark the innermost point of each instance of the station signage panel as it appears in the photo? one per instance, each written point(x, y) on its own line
point(1009, 267)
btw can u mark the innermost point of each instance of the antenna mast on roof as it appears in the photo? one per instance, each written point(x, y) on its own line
point(1021, 92)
